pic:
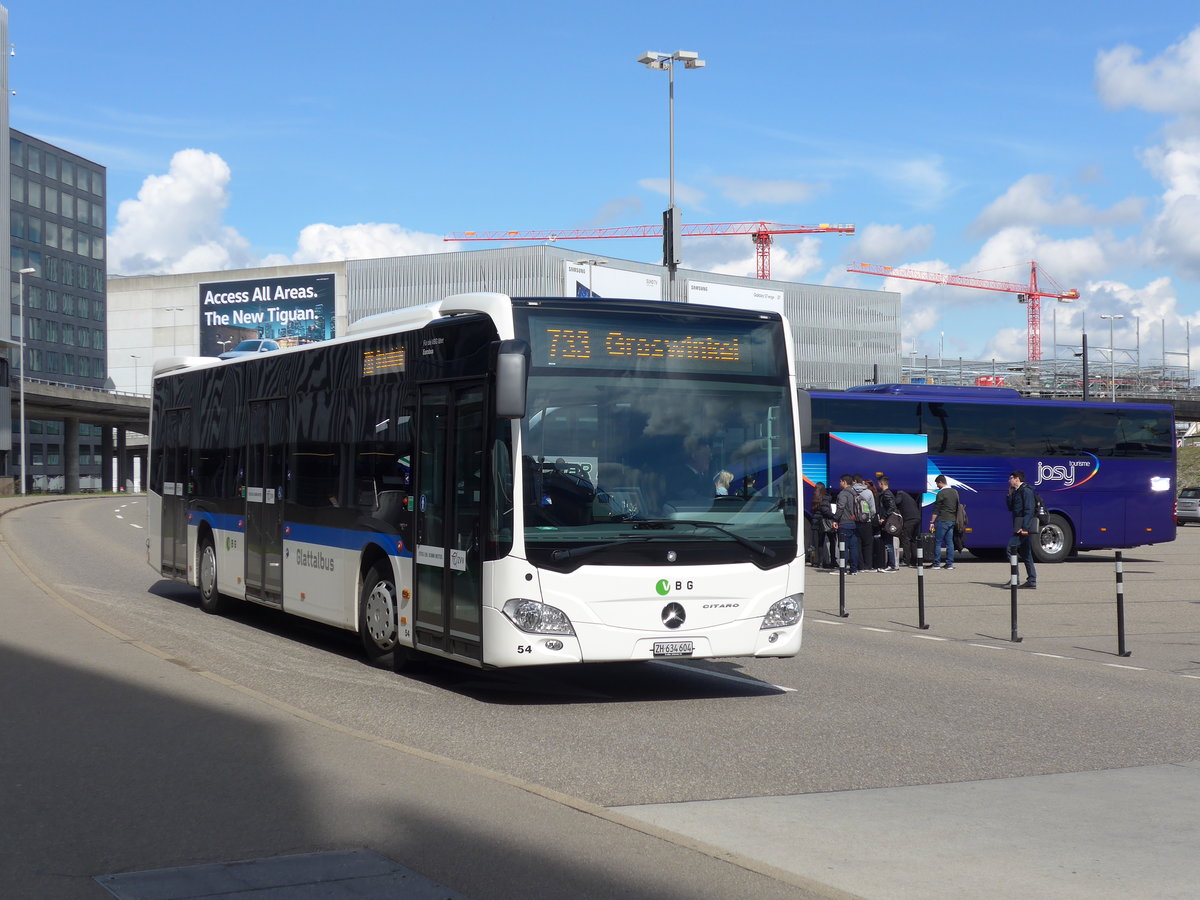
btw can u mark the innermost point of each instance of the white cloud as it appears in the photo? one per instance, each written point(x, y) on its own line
point(372, 240)
point(1168, 83)
point(881, 244)
point(792, 259)
point(1033, 200)
point(684, 194)
point(745, 192)
point(1066, 263)
point(921, 181)
point(175, 224)
point(1007, 344)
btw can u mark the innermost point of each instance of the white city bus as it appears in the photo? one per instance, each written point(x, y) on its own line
point(498, 481)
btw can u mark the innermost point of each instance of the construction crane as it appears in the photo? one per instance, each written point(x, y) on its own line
point(760, 232)
point(1029, 294)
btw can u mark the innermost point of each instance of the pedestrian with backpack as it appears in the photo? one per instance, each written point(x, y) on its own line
point(847, 527)
point(1022, 503)
point(864, 520)
point(945, 514)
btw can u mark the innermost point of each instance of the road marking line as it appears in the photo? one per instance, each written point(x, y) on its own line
point(1119, 666)
point(929, 637)
point(991, 647)
point(136, 525)
point(1053, 656)
point(880, 630)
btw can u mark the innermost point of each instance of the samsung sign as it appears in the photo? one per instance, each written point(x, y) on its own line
point(292, 311)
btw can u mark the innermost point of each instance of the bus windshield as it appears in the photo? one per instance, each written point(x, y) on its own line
point(633, 459)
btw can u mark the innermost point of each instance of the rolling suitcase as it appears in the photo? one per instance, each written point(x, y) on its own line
point(925, 542)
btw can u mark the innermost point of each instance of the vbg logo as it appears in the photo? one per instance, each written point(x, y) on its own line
point(665, 586)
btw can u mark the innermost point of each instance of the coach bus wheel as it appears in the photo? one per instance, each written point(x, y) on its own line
point(377, 613)
point(1054, 540)
point(211, 600)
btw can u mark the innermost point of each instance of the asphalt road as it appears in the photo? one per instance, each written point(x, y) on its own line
point(872, 702)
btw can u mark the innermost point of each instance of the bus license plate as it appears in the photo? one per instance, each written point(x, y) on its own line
point(673, 648)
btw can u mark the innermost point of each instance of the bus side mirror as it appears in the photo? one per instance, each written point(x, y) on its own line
point(512, 374)
point(804, 418)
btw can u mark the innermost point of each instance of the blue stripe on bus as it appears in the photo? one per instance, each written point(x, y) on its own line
point(335, 538)
point(345, 538)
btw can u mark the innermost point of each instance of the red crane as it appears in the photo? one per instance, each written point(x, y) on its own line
point(760, 232)
point(1029, 293)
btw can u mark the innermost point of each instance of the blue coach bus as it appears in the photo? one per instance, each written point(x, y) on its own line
point(1105, 471)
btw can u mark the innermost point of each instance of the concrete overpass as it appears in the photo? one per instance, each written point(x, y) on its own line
point(73, 405)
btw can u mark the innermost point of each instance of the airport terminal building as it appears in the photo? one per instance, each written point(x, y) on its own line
point(840, 334)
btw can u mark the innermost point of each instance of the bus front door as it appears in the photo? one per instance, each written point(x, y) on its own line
point(175, 481)
point(450, 517)
point(264, 500)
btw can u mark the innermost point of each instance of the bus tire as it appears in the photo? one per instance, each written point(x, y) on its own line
point(211, 600)
point(1055, 540)
point(378, 613)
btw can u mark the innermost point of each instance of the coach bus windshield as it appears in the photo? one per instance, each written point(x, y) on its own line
point(607, 459)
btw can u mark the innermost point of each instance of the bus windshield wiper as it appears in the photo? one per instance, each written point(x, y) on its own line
point(562, 555)
point(761, 549)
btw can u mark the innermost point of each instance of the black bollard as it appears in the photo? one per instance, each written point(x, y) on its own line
point(842, 578)
point(921, 588)
point(1121, 651)
point(1013, 578)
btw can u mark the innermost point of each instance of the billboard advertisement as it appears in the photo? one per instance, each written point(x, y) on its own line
point(589, 279)
point(735, 296)
point(293, 310)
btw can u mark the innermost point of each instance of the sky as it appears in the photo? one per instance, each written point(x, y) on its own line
point(969, 140)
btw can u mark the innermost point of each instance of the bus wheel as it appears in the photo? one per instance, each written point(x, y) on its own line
point(377, 611)
point(1055, 540)
point(211, 600)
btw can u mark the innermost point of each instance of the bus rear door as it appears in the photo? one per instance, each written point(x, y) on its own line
point(449, 519)
point(264, 500)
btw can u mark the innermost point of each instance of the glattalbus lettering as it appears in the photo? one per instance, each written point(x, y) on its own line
point(314, 559)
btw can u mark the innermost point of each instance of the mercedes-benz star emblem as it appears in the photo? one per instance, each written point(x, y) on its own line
point(673, 615)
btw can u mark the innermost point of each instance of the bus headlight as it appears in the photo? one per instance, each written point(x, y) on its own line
point(535, 617)
point(784, 612)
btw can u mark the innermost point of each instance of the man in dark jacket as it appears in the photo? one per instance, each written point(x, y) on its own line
point(910, 512)
point(847, 528)
point(1023, 506)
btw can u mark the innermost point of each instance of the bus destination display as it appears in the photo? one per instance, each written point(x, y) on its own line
point(645, 346)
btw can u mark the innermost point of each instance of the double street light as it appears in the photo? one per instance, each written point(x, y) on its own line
point(671, 221)
point(21, 273)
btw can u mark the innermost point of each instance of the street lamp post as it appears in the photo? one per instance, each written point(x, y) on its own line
point(135, 359)
point(671, 221)
point(172, 310)
point(21, 273)
point(1112, 355)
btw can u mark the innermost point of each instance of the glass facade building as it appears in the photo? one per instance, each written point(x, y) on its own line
point(57, 219)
